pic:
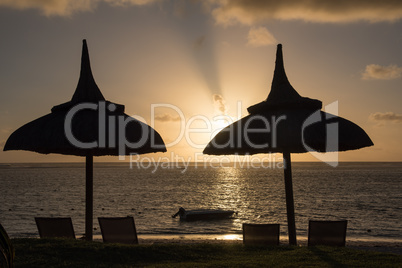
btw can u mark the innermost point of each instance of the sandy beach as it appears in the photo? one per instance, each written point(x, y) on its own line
point(390, 246)
point(394, 247)
point(385, 247)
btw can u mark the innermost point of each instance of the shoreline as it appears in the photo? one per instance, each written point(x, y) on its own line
point(379, 245)
point(382, 245)
point(238, 238)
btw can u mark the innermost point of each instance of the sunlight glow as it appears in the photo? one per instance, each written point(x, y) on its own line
point(232, 237)
point(220, 123)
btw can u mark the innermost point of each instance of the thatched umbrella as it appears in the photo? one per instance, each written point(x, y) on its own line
point(287, 123)
point(88, 125)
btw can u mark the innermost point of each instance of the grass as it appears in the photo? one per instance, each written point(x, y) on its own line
point(77, 253)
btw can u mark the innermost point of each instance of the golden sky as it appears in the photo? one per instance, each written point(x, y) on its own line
point(185, 65)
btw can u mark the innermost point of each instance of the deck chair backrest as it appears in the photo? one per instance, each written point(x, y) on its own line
point(328, 233)
point(261, 234)
point(118, 230)
point(55, 227)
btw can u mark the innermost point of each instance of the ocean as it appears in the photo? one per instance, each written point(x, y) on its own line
point(368, 195)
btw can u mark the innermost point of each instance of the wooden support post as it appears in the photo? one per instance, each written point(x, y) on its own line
point(289, 198)
point(89, 198)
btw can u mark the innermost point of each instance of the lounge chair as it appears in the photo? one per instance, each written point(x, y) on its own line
point(7, 252)
point(261, 234)
point(55, 227)
point(328, 233)
point(118, 230)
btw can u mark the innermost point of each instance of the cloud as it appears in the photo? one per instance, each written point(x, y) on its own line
point(249, 12)
point(219, 104)
point(131, 2)
point(227, 12)
point(167, 118)
point(51, 7)
point(386, 117)
point(375, 71)
point(67, 7)
point(260, 36)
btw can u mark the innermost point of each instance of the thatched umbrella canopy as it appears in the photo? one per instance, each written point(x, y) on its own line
point(287, 123)
point(88, 125)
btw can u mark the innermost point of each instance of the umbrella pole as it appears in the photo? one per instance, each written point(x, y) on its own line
point(289, 198)
point(89, 197)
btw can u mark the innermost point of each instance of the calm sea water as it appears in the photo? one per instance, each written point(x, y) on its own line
point(368, 195)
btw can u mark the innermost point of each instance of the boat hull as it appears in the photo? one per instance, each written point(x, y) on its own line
point(203, 215)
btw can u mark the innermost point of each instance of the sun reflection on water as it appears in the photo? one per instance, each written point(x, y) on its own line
point(228, 194)
point(232, 237)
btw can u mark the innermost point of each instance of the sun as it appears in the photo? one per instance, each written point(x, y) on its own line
point(219, 122)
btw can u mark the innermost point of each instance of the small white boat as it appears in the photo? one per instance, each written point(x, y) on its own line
point(203, 214)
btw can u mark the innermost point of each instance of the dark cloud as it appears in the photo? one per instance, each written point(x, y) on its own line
point(68, 7)
point(386, 117)
point(219, 104)
point(241, 11)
